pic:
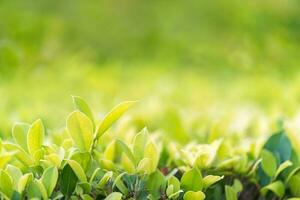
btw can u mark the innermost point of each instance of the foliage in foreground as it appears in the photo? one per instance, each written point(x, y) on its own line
point(81, 162)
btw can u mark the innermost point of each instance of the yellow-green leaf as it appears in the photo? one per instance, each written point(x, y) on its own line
point(139, 144)
point(35, 136)
point(78, 170)
point(49, 179)
point(82, 106)
point(19, 133)
point(282, 167)
point(114, 196)
point(24, 181)
point(152, 152)
point(210, 180)
point(268, 163)
point(192, 180)
point(6, 183)
point(80, 129)
point(191, 195)
point(113, 116)
point(276, 187)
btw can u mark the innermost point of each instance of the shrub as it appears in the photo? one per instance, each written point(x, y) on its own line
point(82, 162)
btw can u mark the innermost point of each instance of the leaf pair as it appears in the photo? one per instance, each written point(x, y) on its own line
point(81, 125)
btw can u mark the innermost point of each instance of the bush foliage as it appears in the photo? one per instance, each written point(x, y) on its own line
point(88, 160)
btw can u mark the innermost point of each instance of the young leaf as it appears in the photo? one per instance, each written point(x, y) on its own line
point(139, 144)
point(293, 185)
point(105, 179)
point(6, 183)
point(49, 179)
point(276, 187)
point(151, 152)
point(156, 183)
point(192, 180)
point(83, 107)
point(80, 129)
point(282, 167)
point(36, 190)
point(210, 180)
point(113, 116)
point(19, 133)
point(15, 174)
point(119, 184)
point(68, 180)
point(191, 195)
point(230, 193)
point(114, 196)
point(24, 180)
point(78, 170)
point(126, 150)
point(35, 136)
point(268, 163)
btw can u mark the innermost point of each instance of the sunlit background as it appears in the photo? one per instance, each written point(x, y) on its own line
point(192, 64)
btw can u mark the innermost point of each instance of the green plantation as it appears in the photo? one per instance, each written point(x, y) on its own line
point(106, 159)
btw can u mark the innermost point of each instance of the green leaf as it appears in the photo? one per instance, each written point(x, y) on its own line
point(78, 170)
point(237, 185)
point(173, 189)
point(35, 136)
point(210, 180)
point(126, 150)
point(68, 181)
point(19, 133)
point(84, 159)
point(104, 179)
point(36, 189)
point(144, 166)
point(5, 158)
point(192, 180)
point(80, 129)
point(20, 154)
point(119, 184)
point(49, 179)
point(293, 184)
point(113, 116)
point(276, 187)
point(139, 144)
point(114, 196)
point(83, 107)
point(155, 183)
point(230, 193)
point(151, 152)
point(6, 183)
point(191, 195)
point(268, 163)
point(15, 174)
point(282, 167)
point(24, 180)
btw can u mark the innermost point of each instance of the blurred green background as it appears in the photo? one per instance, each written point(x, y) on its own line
point(205, 60)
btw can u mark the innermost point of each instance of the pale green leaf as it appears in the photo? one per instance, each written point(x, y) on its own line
point(139, 144)
point(192, 180)
point(268, 163)
point(6, 183)
point(24, 180)
point(113, 116)
point(276, 187)
point(35, 136)
point(83, 107)
point(78, 170)
point(210, 180)
point(192, 195)
point(104, 179)
point(152, 152)
point(80, 129)
point(49, 179)
point(19, 133)
point(114, 196)
point(282, 167)
point(230, 193)
point(126, 150)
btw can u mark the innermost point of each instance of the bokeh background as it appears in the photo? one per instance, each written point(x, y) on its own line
point(190, 63)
